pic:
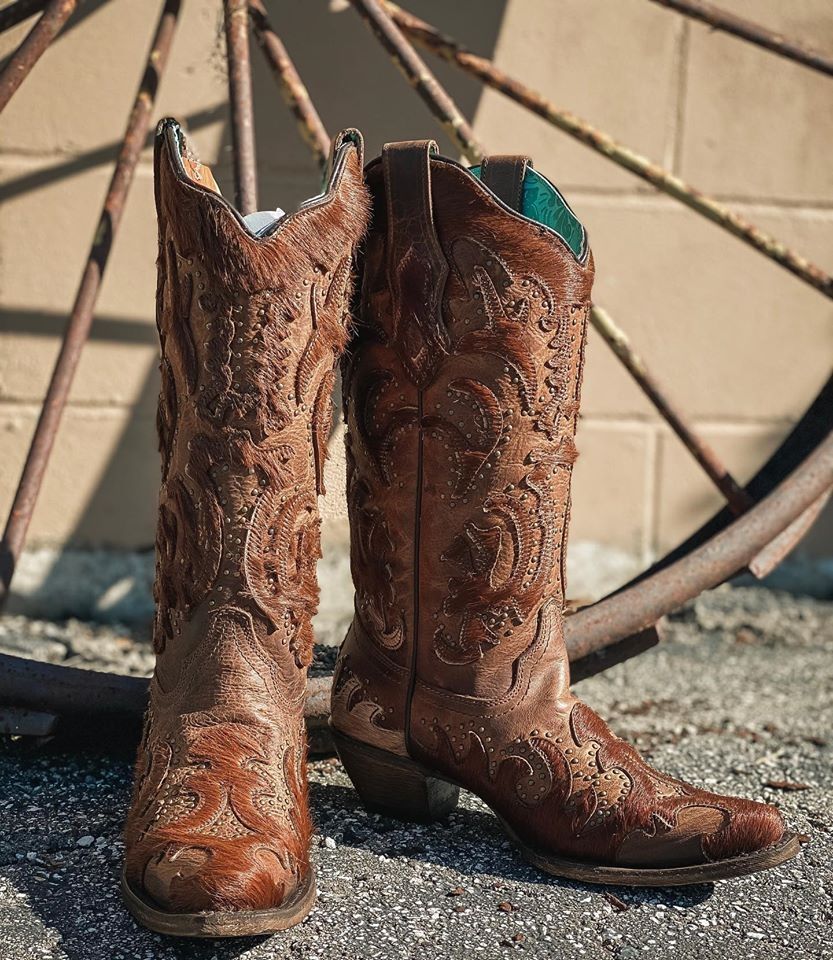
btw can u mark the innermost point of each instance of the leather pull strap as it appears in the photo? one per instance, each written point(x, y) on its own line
point(504, 176)
point(416, 266)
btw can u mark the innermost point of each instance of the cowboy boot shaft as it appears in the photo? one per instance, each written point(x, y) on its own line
point(251, 328)
point(250, 333)
point(462, 396)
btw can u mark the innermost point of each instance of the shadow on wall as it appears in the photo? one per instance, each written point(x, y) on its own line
point(353, 82)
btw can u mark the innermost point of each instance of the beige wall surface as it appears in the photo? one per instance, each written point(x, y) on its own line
point(740, 344)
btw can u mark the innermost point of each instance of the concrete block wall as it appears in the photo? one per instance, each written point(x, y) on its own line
point(742, 345)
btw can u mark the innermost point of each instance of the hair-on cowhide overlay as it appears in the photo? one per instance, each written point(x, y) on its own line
point(462, 392)
point(251, 330)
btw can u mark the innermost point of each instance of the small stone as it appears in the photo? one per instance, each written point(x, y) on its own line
point(456, 892)
point(86, 841)
point(506, 906)
point(790, 786)
point(617, 903)
point(329, 843)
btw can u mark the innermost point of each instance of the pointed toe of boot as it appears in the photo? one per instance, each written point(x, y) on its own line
point(193, 891)
point(712, 831)
point(195, 881)
point(749, 828)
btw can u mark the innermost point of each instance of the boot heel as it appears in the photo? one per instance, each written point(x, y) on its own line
point(394, 786)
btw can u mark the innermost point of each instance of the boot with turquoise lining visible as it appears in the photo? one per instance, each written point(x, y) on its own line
point(462, 395)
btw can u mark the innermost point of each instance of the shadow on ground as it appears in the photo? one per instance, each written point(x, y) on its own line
point(736, 699)
point(62, 853)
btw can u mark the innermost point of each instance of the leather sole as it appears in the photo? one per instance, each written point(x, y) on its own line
point(401, 788)
point(707, 872)
point(231, 923)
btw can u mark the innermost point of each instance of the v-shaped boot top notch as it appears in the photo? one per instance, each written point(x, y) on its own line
point(513, 183)
point(261, 223)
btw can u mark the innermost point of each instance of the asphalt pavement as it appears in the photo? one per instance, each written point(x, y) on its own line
point(738, 698)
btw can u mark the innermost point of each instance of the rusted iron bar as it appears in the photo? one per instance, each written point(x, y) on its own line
point(241, 103)
point(79, 697)
point(664, 180)
point(291, 86)
point(33, 47)
point(727, 22)
point(80, 320)
point(420, 77)
point(17, 12)
point(642, 603)
point(616, 338)
point(775, 552)
point(615, 652)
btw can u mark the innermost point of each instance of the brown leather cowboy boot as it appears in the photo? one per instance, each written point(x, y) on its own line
point(462, 393)
point(251, 324)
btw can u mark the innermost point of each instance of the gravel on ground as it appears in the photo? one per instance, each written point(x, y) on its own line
point(738, 698)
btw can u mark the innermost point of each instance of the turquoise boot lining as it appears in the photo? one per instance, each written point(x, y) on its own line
point(542, 202)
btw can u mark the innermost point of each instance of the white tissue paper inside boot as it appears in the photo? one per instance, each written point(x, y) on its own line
point(260, 222)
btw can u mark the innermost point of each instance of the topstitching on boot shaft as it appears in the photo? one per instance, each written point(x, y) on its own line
point(462, 393)
point(251, 327)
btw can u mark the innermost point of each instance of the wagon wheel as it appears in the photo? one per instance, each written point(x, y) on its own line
point(761, 522)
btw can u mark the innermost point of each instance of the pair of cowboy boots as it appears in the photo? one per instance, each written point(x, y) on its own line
point(461, 391)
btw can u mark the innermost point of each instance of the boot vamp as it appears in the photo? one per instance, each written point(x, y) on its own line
point(219, 818)
point(569, 787)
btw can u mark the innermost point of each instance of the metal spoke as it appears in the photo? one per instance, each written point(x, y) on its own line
point(33, 47)
point(80, 320)
point(420, 77)
point(737, 498)
point(242, 108)
point(292, 88)
point(719, 19)
point(664, 180)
